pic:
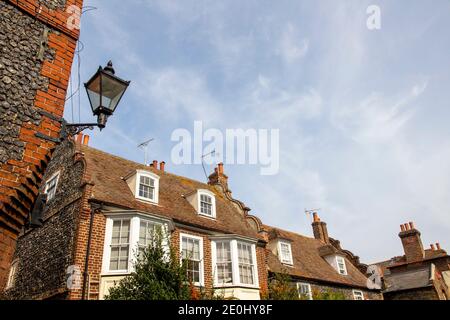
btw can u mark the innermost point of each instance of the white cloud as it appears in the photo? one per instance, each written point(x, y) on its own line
point(292, 47)
point(275, 105)
point(176, 94)
point(377, 118)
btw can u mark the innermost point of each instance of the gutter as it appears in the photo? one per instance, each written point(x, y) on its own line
point(94, 208)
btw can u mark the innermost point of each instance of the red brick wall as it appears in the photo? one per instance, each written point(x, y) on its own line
point(96, 249)
point(20, 179)
point(7, 247)
point(97, 246)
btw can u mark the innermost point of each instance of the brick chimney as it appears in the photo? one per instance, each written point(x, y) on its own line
point(219, 177)
point(412, 243)
point(320, 229)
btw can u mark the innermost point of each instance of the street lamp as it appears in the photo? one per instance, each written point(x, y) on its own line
point(105, 90)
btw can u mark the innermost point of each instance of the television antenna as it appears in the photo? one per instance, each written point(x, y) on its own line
point(144, 146)
point(212, 153)
point(311, 212)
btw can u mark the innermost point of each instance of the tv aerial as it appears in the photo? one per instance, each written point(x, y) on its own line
point(144, 146)
point(213, 154)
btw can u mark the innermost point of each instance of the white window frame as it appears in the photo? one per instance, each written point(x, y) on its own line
point(47, 184)
point(280, 254)
point(299, 284)
point(155, 178)
point(135, 222)
point(201, 283)
point(12, 275)
point(234, 263)
point(342, 272)
point(358, 293)
point(213, 203)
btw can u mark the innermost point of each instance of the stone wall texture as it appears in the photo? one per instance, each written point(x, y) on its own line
point(36, 54)
point(20, 41)
point(44, 254)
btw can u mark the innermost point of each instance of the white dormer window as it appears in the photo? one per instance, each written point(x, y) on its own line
point(341, 267)
point(51, 186)
point(206, 203)
point(285, 252)
point(147, 186)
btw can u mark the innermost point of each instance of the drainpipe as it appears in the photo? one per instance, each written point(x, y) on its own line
point(94, 208)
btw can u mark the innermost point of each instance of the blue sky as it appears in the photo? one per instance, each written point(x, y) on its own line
point(363, 115)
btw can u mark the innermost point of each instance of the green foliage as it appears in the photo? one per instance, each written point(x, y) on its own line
point(158, 275)
point(328, 295)
point(281, 287)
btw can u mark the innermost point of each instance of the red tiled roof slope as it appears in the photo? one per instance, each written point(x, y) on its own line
point(309, 264)
point(107, 172)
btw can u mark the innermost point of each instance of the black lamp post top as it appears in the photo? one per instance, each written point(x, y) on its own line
point(109, 68)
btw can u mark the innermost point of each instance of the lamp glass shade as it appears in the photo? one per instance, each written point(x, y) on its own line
point(105, 91)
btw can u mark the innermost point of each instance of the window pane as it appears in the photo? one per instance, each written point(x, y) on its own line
point(120, 245)
point(224, 264)
point(146, 187)
point(206, 205)
point(190, 253)
point(245, 263)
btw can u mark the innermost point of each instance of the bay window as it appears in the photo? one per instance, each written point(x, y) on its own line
point(234, 263)
point(126, 237)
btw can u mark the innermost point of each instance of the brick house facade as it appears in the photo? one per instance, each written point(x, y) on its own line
point(75, 233)
point(318, 265)
point(420, 274)
point(36, 53)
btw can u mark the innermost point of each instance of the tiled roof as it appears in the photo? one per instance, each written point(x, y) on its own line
point(309, 264)
point(107, 171)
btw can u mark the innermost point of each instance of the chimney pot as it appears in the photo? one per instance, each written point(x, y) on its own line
point(86, 140)
point(402, 228)
point(220, 168)
point(433, 247)
point(155, 164)
point(412, 226)
point(79, 138)
point(438, 246)
point(406, 227)
point(316, 217)
point(162, 166)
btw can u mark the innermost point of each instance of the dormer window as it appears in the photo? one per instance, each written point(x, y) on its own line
point(206, 203)
point(147, 186)
point(285, 252)
point(341, 267)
